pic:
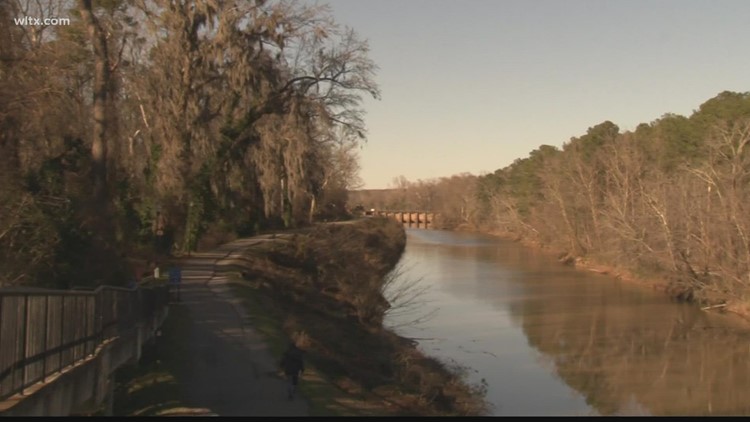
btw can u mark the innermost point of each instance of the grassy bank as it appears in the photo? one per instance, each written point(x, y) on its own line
point(323, 288)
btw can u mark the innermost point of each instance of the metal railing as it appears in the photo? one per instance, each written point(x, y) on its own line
point(42, 332)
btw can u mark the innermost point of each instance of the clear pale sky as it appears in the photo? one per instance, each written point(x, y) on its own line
point(471, 85)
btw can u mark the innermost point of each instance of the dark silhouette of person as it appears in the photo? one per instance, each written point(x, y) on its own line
point(175, 279)
point(293, 364)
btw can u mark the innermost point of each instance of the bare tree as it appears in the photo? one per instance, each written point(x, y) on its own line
point(725, 176)
point(101, 91)
point(406, 296)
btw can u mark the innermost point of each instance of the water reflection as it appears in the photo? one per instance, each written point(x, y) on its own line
point(552, 340)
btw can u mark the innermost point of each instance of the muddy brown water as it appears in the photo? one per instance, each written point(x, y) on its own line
point(546, 339)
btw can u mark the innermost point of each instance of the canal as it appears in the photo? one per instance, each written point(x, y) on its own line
point(546, 339)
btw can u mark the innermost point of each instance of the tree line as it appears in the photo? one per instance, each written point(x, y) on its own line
point(668, 199)
point(221, 116)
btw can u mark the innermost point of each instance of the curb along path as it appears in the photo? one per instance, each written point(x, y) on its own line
point(229, 371)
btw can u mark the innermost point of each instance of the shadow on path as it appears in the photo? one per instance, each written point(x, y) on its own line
point(229, 369)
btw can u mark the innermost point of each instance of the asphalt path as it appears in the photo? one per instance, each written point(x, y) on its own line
point(230, 370)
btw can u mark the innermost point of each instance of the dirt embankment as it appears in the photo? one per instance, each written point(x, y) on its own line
point(326, 286)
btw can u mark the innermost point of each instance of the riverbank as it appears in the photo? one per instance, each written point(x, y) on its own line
point(322, 287)
point(662, 283)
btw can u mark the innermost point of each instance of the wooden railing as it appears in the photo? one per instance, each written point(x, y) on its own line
point(42, 332)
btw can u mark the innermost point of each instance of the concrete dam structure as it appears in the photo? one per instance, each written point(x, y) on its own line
point(411, 219)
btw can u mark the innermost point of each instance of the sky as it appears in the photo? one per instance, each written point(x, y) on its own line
point(468, 86)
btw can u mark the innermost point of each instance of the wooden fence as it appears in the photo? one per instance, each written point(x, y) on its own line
point(42, 332)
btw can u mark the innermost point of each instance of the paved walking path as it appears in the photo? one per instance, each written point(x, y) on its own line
point(231, 371)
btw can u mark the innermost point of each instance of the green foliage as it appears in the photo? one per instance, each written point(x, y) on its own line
point(153, 161)
point(50, 237)
point(194, 223)
point(130, 231)
point(522, 178)
point(28, 245)
point(202, 208)
point(727, 106)
point(674, 140)
point(593, 140)
point(490, 185)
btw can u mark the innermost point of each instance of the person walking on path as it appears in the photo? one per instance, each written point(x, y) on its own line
point(175, 280)
point(293, 364)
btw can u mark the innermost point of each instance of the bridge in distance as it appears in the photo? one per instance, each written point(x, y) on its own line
point(411, 219)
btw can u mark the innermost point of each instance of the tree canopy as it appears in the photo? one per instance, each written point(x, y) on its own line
point(223, 116)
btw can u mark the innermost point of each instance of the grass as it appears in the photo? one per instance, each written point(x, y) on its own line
point(325, 398)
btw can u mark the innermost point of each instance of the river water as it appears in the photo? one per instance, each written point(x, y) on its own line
point(547, 339)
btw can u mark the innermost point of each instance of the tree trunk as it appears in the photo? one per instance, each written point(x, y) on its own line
point(312, 209)
point(101, 87)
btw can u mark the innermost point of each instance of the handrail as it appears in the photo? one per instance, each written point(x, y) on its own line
point(43, 331)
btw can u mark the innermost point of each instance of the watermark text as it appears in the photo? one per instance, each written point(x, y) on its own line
point(31, 21)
